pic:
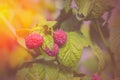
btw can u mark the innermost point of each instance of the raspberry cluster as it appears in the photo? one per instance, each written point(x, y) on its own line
point(34, 40)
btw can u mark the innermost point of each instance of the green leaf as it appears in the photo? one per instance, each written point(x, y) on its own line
point(94, 9)
point(51, 23)
point(51, 73)
point(85, 30)
point(36, 72)
point(86, 78)
point(39, 71)
point(99, 54)
point(22, 74)
point(70, 53)
point(65, 75)
point(67, 5)
point(48, 42)
point(71, 24)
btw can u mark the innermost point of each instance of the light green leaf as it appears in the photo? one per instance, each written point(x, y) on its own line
point(36, 72)
point(85, 30)
point(65, 75)
point(51, 23)
point(70, 54)
point(99, 54)
point(43, 72)
point(48, 42)
point(22, 74)
point(51, 73)
point(67, 5)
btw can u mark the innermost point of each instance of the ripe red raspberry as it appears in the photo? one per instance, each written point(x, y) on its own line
point(60, 37)
point(96, 77)
point(52, 52)
point(34, 41)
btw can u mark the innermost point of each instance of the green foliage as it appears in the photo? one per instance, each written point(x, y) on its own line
point(92, 60)
point(51, 73)
point(70, 53)
point(67, 5)
point(86, 78)
point(71, 24)
point(43, 72)
point(78, 38)
point(36, 72)
point(85, 30)
point(99, 54)
point(48, 42)
point(94, 9)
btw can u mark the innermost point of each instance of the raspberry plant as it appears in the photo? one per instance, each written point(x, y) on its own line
point(60, 44)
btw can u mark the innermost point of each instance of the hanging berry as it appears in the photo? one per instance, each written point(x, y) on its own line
point(52, 52)
point(60, 37)
point(33, 41)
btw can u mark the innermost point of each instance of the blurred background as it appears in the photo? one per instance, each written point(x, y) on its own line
point(18, 14)
point(14, 15)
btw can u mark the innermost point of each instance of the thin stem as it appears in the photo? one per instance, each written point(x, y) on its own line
point(106, 46)
point(101, 34)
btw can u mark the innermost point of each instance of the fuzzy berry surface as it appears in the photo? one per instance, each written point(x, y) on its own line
point(60, 37)
point(96, 77)
point(52, 52)
point(33, 41)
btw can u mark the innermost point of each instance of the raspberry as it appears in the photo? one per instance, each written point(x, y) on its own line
point(96, 77)
point(60, 37)
point(34, 41)
point(52, 52)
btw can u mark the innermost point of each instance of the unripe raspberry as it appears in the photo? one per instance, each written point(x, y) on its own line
point(34, 41)
point(52, 52)
point(60, 37)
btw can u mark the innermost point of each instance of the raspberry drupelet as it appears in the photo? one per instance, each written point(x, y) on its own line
point(60, 37)
point(52, 52)
point(33, 40)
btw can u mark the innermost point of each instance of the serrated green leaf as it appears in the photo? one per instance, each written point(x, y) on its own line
point(22, 74)
point(51, 73)
point(70, 54)
point(94, 9)
point(36, 72)
point(43, 72)
point(48, 42)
